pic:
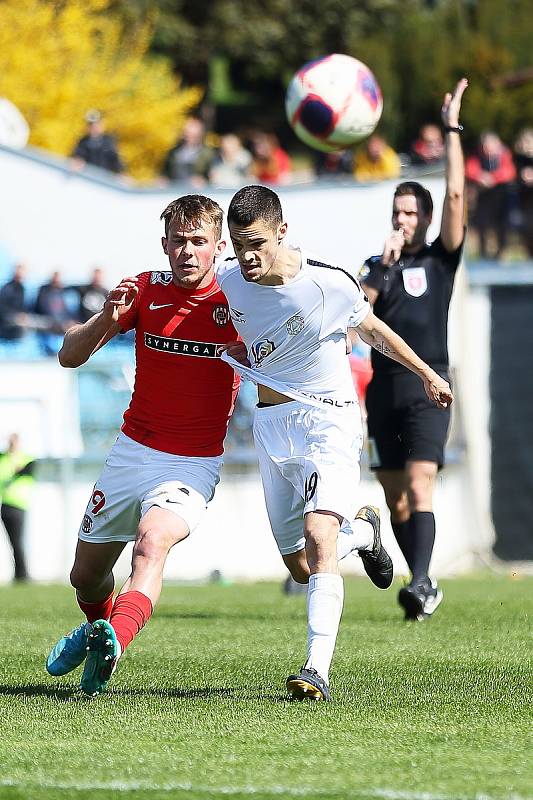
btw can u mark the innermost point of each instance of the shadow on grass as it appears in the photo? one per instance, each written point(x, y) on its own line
point(64, 693)
point(69, 693)
point(199, 693)
point(72, 693)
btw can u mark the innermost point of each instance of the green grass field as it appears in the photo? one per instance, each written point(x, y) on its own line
point(197, 708)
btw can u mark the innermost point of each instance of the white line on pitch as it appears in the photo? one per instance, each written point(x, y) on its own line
point(288, 791)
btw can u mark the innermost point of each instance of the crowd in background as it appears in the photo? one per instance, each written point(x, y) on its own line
point(499, 179)
point(49, 310)
point(499, 186)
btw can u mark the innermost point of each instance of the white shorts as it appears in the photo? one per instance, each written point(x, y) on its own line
point(135, 478)
point(309, 461)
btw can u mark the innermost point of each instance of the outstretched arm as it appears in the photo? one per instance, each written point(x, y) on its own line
point(452, 226)
point(81, 341)
point(378, 335)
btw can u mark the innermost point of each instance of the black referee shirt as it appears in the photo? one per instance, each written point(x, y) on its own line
point(414, 296)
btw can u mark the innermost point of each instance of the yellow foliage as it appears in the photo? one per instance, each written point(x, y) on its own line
point(58, 59)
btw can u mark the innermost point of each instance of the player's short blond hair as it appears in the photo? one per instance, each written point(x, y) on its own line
point(191, 210)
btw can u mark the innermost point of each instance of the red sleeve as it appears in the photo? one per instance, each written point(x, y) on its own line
point(129, 320)
point(506, 171)
point(473, 168)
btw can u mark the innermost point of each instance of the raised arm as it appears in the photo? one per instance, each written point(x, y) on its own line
point(452, 226)
point(378, 335)
point(81, 341)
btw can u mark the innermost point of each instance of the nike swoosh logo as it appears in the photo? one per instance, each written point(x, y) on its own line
point(154, 307)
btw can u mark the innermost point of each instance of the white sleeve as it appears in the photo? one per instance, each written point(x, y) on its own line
point(223, 268)
point(360, 310)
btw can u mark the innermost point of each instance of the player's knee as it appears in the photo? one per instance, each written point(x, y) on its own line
point(153, 544)
point(321, 534)
point(397, 503)
point(419, 492)
point(82, 577)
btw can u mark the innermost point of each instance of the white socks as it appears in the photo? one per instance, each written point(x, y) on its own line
point(325, 597)
point(356, 535)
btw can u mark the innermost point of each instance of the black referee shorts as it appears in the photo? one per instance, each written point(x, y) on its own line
point(403, 424)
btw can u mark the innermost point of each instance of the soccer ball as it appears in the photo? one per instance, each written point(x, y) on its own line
point(333, 102)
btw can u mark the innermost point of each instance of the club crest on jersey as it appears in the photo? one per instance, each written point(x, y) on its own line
point(262, 349)
point(87, 524)
point(295, 324)
point(161, 277)
point(237, 316)
point(415, 281)
point(221, 315)
point(363, 272)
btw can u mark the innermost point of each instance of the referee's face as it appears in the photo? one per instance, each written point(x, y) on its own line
point(409, 217)
point(256, 247)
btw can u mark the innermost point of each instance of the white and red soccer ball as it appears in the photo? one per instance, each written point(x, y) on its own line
point(333, 102)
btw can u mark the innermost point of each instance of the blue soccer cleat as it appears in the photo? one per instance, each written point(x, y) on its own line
point(69, 652)
point(103, 652)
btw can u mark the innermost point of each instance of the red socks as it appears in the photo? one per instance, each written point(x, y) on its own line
point(94, 611)
point(131, 612)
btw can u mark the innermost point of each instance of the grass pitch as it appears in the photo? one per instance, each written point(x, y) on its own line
point(439, 710)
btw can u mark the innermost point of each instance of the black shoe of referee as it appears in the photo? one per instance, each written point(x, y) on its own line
point(376, 561)
point(420, 599)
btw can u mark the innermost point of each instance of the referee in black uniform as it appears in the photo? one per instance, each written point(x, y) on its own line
point(410, 286)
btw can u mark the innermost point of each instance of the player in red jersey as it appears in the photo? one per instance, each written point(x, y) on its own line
point(162, 471)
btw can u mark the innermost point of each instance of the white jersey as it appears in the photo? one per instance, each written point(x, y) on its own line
point(295, 332)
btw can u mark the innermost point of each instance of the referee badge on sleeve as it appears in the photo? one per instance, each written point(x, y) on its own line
point(415, 281)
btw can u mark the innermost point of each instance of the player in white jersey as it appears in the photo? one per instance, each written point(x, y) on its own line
point(292, 312)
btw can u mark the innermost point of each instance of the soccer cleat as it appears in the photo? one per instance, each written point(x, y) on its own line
point(69, 652)
point(420, 600)
point(307, 685)
point(103, 652)
point(376, 561)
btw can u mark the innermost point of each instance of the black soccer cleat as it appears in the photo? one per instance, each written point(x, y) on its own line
point(377, 562)
point(307, 685)
point(419, 600)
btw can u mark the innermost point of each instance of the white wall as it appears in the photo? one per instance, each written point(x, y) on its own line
point(234, 536)
point(52, 218)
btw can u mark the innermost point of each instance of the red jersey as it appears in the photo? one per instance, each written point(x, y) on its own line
point(184, 393)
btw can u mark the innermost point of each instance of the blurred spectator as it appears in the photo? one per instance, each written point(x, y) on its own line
point(91, 296)
point(271, 164)
point(96, 147)
point(190, 159)
point(14, 130)
point(55, 317)
point(334, 165)
point(523, 159)
point(12, 305)
point(490, 172)
point(16, 484)
point(231, 164)
point(376, 161)
point(428, 149)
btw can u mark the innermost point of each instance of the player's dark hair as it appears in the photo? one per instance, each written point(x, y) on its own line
point(420, 192)
point(191, 210)
point(253, 203)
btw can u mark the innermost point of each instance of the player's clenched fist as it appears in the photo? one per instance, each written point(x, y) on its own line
point(393, 248)
point(438, 390)
point(120, 299)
